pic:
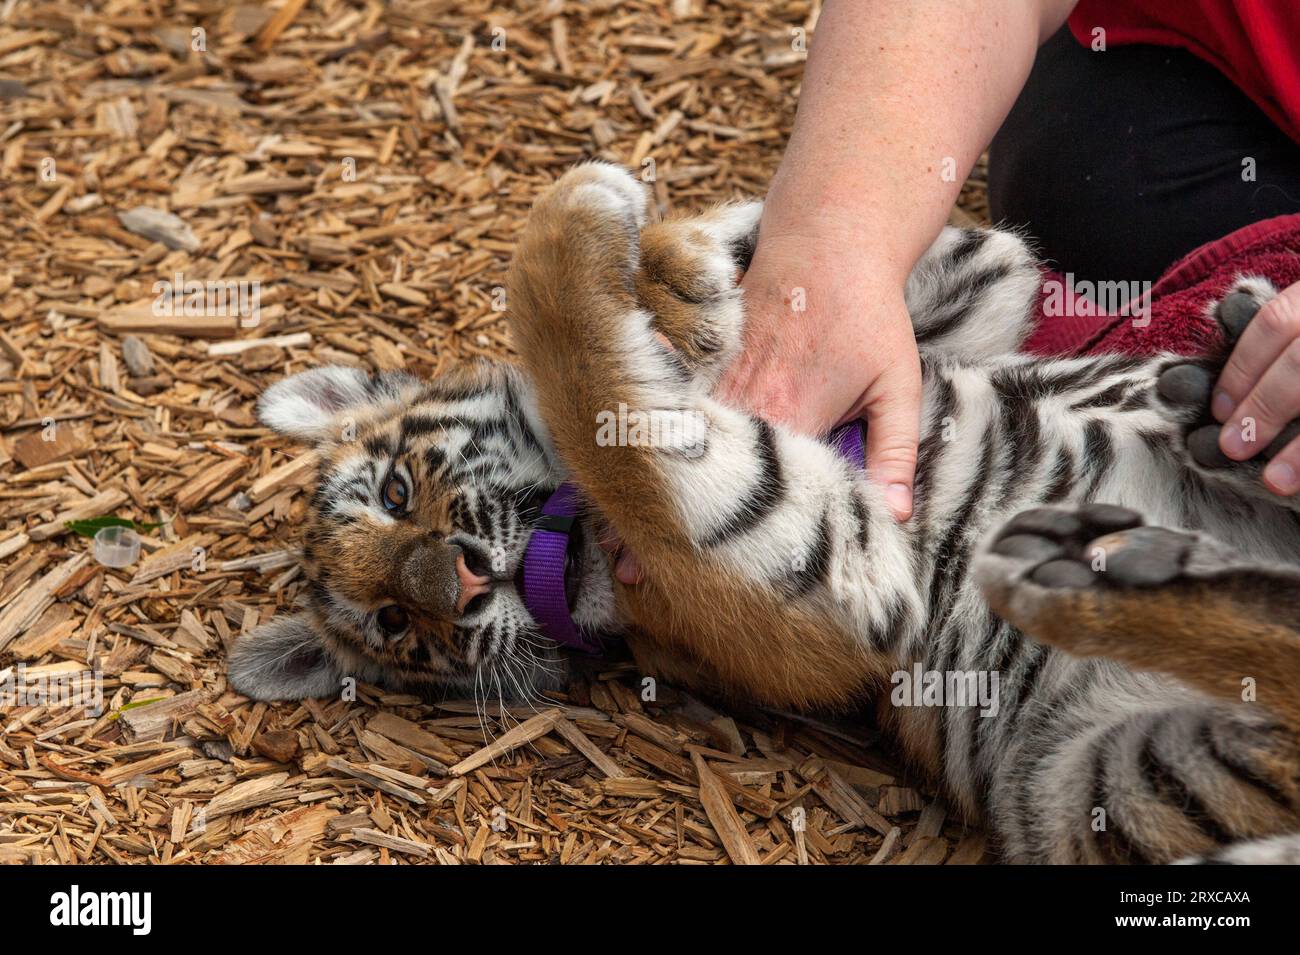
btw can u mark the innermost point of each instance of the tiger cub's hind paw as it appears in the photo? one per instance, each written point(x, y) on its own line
point(1096, 582)
point(1072, 548)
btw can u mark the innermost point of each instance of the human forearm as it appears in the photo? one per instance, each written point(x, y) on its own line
point(898, 101)
point(899, 98)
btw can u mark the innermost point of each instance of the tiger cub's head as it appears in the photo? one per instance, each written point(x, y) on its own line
point(426, 496)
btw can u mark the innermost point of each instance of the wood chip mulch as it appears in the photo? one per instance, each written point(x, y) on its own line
point(368, 164)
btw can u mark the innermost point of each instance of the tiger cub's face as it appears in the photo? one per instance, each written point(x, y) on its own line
point(426, 496)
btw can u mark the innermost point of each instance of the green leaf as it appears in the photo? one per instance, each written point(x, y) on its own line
point(134, 703)
point(93, 525)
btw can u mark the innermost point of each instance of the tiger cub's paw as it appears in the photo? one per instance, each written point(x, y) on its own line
point(600, 189)
point(688, 280)
point(587, 227)
point(1096, 545)
point(1186, 388)
point(1095, 581)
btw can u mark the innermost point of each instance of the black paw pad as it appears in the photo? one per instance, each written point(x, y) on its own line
point(1186, 385)
point(1107, 518)
point(1045, 522)
point(1028, 547)
point(1203, 445)
point(1063, 573)
point(1234, 313)
point(1147, 557)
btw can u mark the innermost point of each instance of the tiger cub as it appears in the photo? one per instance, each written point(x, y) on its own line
point(1145, 707)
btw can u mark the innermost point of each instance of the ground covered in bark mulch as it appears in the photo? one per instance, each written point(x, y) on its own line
point(365, 166)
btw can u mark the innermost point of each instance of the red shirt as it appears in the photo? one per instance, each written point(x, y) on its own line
point(1254, 43)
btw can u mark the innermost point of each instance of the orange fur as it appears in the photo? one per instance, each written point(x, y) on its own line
point(1197, 632)
point(566, 319)
point(366, 558)
point(670, 284)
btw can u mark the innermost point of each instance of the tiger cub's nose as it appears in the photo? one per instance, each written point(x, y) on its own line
point(471, 584)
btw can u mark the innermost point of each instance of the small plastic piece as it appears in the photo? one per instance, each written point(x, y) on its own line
point(117, 546)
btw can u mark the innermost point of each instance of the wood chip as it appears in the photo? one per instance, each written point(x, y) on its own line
point(105, 502)
point(246, 795)
point(583, 744)
point(33, 601)
point(525, 732)
point(294, 473)
point(136, 355)
point(160, 226)
point(35, 449)
point(726, 821)
point(287, 839)
point(397, 843)
point(152, 720)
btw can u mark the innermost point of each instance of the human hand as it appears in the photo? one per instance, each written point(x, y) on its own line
point(828, 339)
point(1258, 393)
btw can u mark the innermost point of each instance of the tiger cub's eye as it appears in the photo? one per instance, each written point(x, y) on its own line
point(395, 494)
point(392, 619)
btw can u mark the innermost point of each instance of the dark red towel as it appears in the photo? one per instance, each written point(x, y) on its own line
point(1178, 319)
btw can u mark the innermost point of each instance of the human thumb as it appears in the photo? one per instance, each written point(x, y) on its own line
point(893, 411)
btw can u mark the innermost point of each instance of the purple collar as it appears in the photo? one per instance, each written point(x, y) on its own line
point(546, 556)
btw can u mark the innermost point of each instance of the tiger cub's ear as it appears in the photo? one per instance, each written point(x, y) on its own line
point(314, 405)
point(283, 660)
point(307, 405)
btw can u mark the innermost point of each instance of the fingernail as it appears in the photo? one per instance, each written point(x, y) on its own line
point(1232, 443)
point(1222, 405)
point(899, 499)
point(1281, 477)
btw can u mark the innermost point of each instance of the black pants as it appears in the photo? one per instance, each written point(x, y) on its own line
point(1118, 163)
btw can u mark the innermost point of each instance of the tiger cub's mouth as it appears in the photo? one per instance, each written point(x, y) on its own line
point(575, 569)
point(575, 566)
